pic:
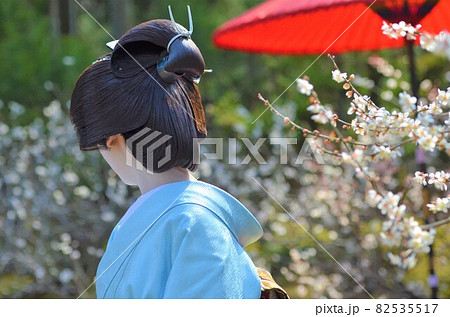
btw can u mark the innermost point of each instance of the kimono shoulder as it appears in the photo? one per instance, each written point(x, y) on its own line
point(191, 248)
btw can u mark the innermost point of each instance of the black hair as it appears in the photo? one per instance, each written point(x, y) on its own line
point(123, 93)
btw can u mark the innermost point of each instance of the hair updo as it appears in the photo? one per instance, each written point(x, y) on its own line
point(129, 90)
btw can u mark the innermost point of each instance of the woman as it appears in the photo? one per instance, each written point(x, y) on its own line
point(182, 238)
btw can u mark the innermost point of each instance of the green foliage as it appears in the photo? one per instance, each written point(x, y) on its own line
point(13, 283)
point(26, 46)
point(38, 66)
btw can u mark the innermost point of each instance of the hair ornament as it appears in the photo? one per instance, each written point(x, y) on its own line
point(112, 44)
point(181, 34)
point(103, 58)
point(178, 59)
point(170, 76)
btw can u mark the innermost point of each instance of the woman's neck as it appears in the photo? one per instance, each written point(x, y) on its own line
point(147, 182)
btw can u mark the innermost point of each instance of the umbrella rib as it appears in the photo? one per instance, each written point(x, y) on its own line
point(315, 60)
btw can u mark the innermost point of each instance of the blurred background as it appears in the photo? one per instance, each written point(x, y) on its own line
point(58, 205)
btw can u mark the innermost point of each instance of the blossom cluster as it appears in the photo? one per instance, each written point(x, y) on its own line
point(439, 44)
point(401, 29)
point(439, 179)
point(419, 123)
point(440, 205)
point(399, 231)
point(322, 114)
point(304, 86)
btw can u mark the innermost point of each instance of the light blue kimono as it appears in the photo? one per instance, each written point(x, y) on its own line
point(181, 240)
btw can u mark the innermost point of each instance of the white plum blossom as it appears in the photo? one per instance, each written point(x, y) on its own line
point(409, 262)
point(390, 236)
point(397, 212)
point(394, 213)
point(427, 142)
point(405, 263)
point(82, 191)
point(314, 108)
point(420, 239)
point(338, 76)
point(346, 158)
point(322, 114)
point(421, 178)
point(439, 179)
point(394, 259)
point(359, 127)
point(407, 102)
point(434, 109)
point(320, 118)
point(441, 204)
point(384, 152)
point(355, 158)
point(389, 30)
point(304, 86)
point(438, 44)
point(397, 227)
point(373, 198)
point(443, 97)
point(358, 105)
point(358, 155)
point(401, 29)
point(390, 201)
point(428, 42)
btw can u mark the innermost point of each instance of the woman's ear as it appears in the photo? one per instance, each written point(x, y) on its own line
point(114, 140)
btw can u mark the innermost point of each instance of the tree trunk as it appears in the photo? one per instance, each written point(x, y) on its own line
point(63, 16)
point(118, 12)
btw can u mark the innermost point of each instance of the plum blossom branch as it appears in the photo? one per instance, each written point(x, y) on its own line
point(436, 224)
point(425, 125)
point(305, 131)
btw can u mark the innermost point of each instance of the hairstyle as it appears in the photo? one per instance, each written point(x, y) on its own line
point(141, 85)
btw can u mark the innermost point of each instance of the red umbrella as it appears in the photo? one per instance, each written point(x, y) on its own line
point(310, 26)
